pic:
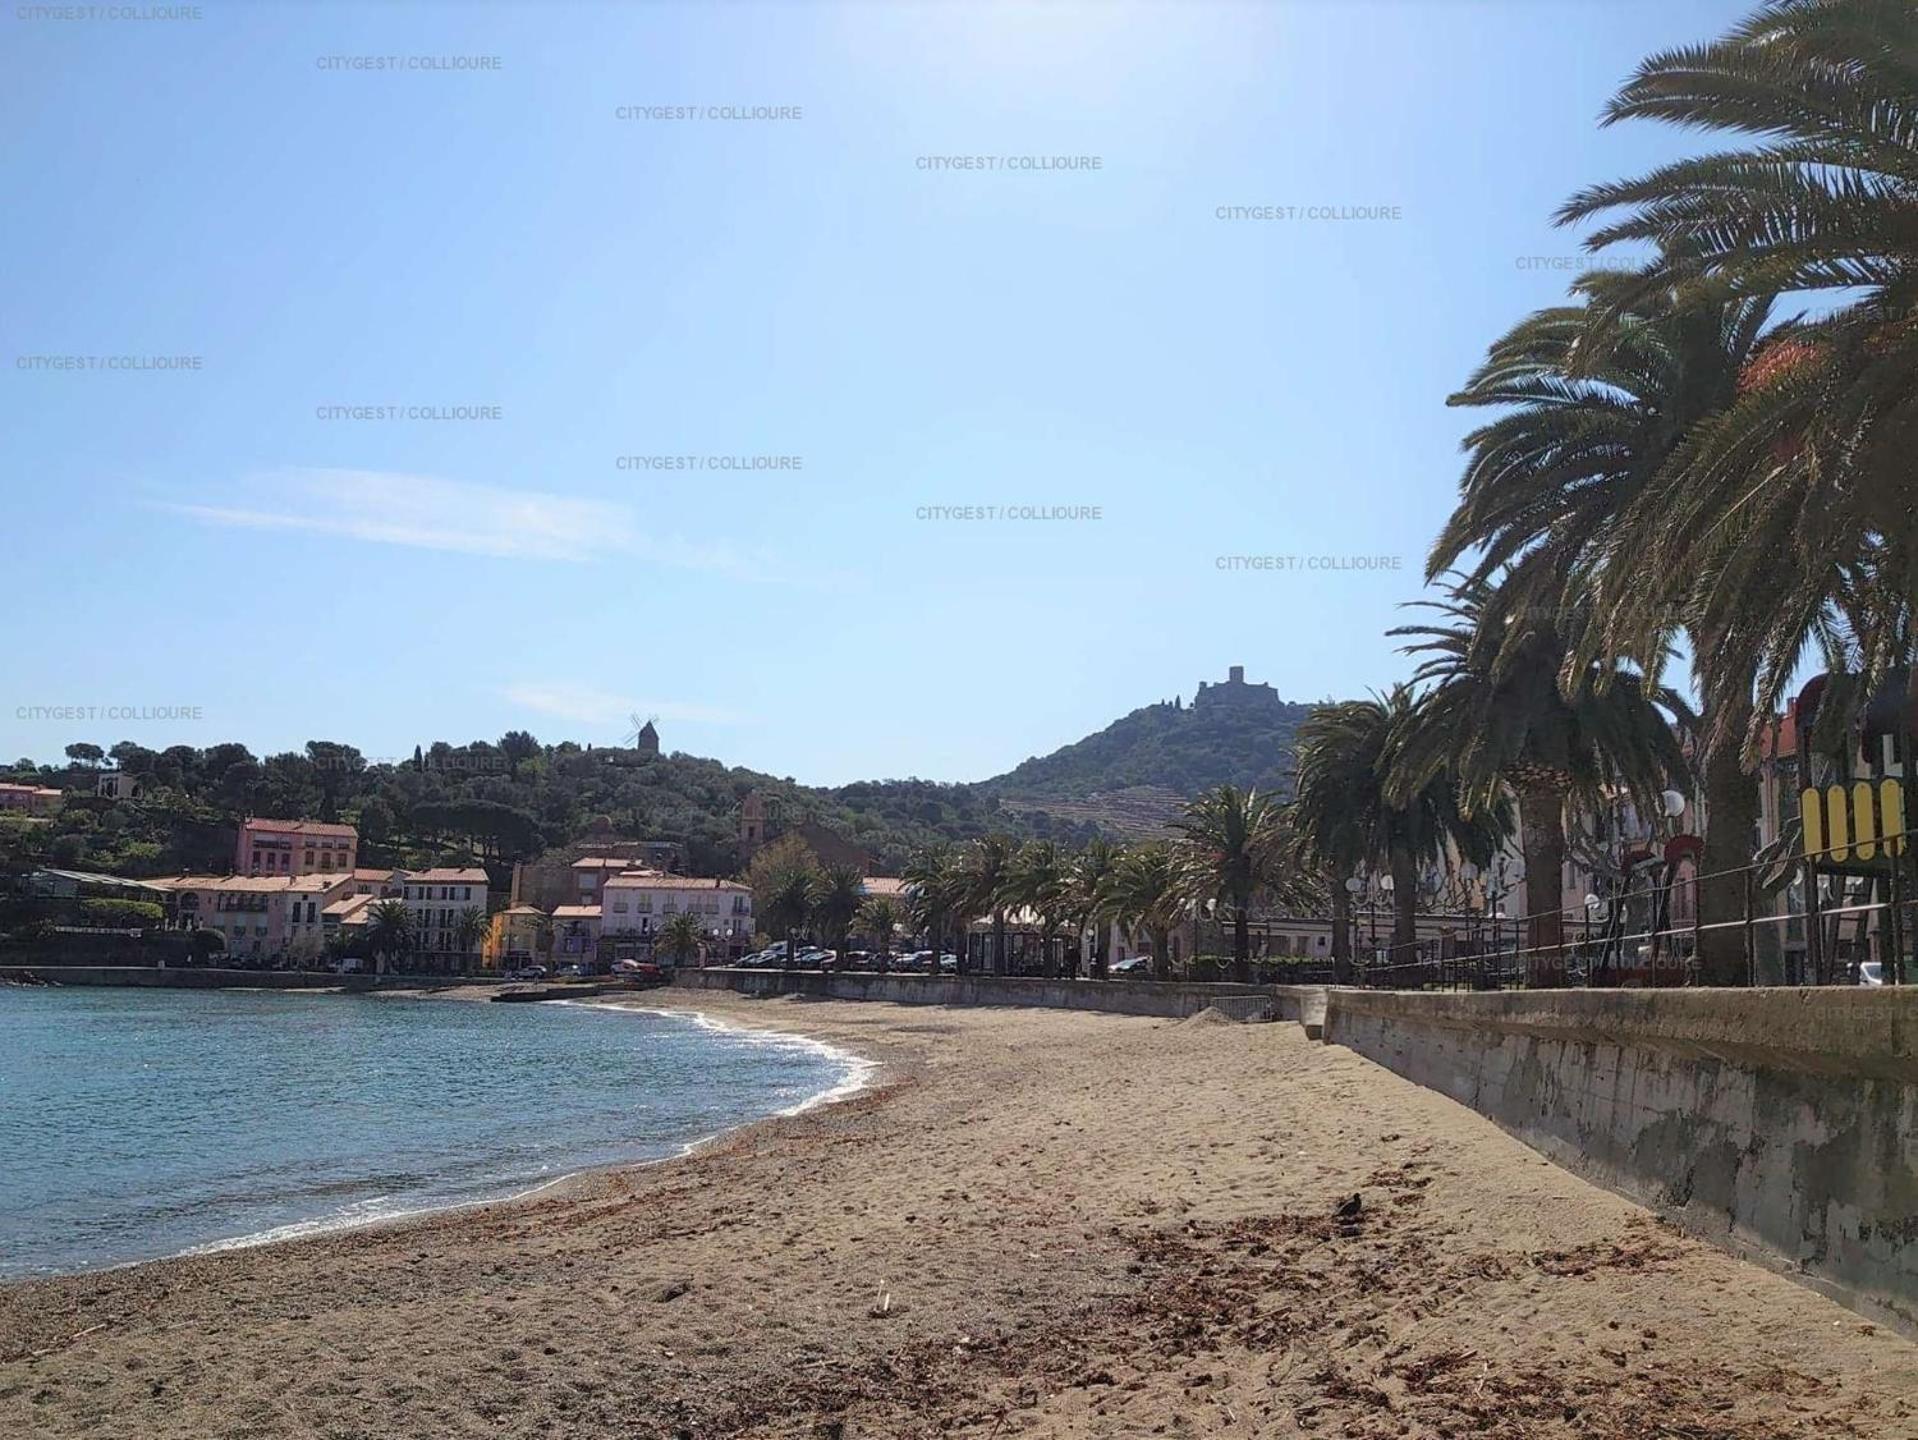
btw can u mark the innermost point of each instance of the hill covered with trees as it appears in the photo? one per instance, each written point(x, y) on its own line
point(494, 802)
point(1135, 773)
point(490, 802)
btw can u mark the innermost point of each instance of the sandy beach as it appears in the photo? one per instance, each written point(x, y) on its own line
point(1037, 1222)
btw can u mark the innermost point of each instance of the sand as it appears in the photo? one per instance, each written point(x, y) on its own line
point(1038, 1222)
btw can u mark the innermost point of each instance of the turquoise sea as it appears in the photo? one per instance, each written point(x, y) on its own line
point(142, 1123)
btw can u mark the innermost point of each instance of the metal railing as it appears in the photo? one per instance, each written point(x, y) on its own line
point(1854, 925)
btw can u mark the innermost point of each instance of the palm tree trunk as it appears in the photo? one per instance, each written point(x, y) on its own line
point(999, 942)
point(1731, 833)
point(1541, 807)
point(1405, 908)
point(1341, 927)
point(1161, 955)
point(1241, 945)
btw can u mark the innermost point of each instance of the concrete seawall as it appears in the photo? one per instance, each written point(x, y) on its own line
point(1120, 997)
point(1778, 1123)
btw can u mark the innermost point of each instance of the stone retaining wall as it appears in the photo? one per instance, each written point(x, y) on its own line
point(1124, 997)
point(1778, 1123)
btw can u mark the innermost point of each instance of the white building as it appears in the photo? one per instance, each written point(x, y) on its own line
point(637, 904)
point(435, 899)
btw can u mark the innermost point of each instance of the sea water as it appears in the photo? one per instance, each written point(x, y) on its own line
point(141, 1123)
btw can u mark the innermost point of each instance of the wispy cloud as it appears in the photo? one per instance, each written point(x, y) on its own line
point(590, 706)
point(429, 513)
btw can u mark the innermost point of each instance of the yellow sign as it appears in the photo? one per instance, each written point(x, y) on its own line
point(1864, 817)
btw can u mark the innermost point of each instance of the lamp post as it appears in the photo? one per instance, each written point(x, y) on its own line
point(1353, 887)
point(1385, 889)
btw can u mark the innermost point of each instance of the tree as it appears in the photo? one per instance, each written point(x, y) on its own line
point(470, 927)
point(85, 754)
point(879, 917)
point(1349, 816)
point(681, 936)
point(836, 900)
point(1039, 881)
point(1791, 511)
point(1094, 880)
point(1497, 717)
point(935, 883)
point(1231, 844)
point(132, 758)
point(986, 867)
point(1153, 892)
point(785, 878)
point(389, 931)
point(518, 746)
point(1596, 400)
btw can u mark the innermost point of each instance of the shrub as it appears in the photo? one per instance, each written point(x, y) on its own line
point(1209, 967)
point(121, 913)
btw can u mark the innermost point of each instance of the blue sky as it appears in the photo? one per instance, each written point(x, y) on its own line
point(801, 287)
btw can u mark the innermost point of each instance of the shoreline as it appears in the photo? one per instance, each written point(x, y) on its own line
point(1055, 1222)
point(859, 1077)
point(858, 1074)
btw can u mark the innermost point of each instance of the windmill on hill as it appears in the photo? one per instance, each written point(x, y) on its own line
point(644, 736)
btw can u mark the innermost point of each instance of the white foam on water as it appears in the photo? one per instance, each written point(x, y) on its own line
point(859, 1071)
point(380, 1210)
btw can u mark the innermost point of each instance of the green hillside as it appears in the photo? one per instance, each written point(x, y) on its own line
point(1232, 733)
point(514, 799)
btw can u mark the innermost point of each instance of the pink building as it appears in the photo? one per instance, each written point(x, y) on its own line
point(30, 799)
point(295, 847)
point(260, 916)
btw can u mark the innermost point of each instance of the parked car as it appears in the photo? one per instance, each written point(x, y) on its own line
point(572, 972)
point(527, 972)
point(1871, 972)
point(948, 964)
point(1137, 967)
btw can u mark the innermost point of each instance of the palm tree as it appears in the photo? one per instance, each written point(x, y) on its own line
point(1792, 511)
point(1040, 882)
point(389, 931)
point(1498, 718)
point(878, 918)
point(987, 866)
point(1092, 882)
point(1595, 400)
point(842, 888)
point(469, 929)
point(1152, 891)
point(1233, 843)
point(789, 903)
point(1350, 815)
point(681, 936)
point(934, 881)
